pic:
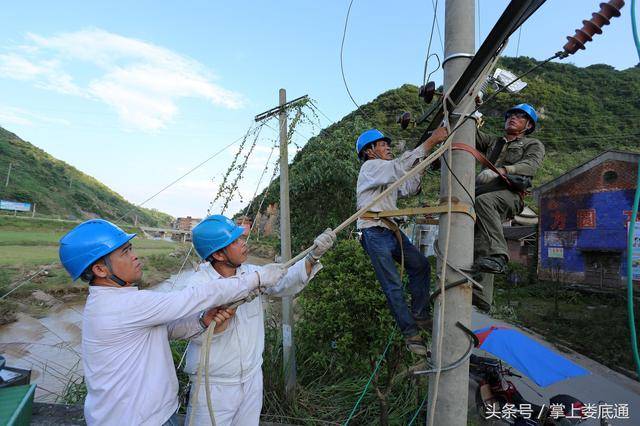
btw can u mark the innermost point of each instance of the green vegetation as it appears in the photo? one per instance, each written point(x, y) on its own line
point(591, 324)
point(27, 246)
point(61, 190)
point(583, 111)
point(343, 327)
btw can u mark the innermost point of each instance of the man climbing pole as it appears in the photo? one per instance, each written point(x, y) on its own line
point(235, 366)
point(126, 357)
point(517, 157)
point(382, 239)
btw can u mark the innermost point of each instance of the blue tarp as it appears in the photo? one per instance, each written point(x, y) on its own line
point(535, 361)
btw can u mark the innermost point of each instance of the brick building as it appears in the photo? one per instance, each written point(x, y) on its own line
point(186, 223)
point(584, 216)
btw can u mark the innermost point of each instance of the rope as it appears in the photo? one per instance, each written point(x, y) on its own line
point(375, 370)
point(201, 366)
point(415, 416)
point(430, 416)
point(465, 115)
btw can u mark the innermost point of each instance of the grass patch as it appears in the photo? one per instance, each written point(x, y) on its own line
point(24, 251)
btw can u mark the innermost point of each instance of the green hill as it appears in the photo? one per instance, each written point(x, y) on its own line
point(59, 189)
point(583, 112)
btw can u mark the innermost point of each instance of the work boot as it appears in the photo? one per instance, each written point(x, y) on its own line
point(416, 345)
point(425, 324)
point(495, 264)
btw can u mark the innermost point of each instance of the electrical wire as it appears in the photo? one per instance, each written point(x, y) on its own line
point(320, 111)
point(25, 281)
point(344, 79)
point(426, 62)
point(193, 169)
point(433, 3)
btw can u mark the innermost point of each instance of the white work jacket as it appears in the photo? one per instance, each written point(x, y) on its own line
point(376, 175)
point(236, 353)
point(127, 361)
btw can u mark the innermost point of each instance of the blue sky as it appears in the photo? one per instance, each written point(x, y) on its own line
point(137, 93)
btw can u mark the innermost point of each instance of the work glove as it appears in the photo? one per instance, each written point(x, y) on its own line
point(486, 176)
point(322, 243)
point(269, 275)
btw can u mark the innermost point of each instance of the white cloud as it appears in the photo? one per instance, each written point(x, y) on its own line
point(22, 117)
point(142, 82)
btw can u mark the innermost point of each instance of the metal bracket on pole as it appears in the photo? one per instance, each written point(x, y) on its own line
point(458, 55)
point(276, 110)
point(473, 342)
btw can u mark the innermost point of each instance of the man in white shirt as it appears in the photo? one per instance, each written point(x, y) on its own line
point(235, 363)
point(380, 238)
point(126, 357)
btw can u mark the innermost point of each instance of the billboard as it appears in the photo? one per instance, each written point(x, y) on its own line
point(15, 206)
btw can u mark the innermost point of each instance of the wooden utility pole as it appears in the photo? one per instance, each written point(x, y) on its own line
point(288, 348)
point(452, 389)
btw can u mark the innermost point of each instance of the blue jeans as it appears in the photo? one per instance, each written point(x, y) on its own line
point(383, 248)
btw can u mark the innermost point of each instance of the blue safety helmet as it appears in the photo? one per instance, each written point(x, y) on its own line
point(88, 242)
point(367, 137)
point(214, 233)
point(527, 109)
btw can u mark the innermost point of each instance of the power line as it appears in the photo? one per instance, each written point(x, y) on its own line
point(320, 111)
point(426, 62)
point(438, 27)
point(518, 45)
point(182, 177)
point(344, 79)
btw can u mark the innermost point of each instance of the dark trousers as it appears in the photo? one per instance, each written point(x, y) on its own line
point(383, 248)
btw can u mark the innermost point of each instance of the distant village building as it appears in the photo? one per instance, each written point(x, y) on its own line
point(246, 222)
point(185, 223)
point(521, 243)
point(521, 234)
point(267, 222)
point(584, 216)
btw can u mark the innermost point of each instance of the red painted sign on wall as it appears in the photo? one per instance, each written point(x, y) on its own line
point(587, 219)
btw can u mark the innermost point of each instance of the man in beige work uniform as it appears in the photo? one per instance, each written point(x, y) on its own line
point(514, 154)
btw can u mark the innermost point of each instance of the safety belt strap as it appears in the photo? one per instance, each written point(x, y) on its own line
point(456, 207)
point(483, 160)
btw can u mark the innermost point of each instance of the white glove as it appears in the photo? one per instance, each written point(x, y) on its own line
point(486, 176)
point(322, 243)
point(269, 275)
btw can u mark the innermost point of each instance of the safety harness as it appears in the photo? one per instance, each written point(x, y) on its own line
point(515, 183)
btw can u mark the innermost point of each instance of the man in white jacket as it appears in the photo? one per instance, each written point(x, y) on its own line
point(127, 361)
point(235, 364)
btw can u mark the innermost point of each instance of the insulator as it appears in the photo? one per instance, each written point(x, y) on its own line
point(594, 26)
point(404, 120)
point(427, 91)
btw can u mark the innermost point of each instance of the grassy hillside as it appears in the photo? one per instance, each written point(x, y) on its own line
point(583, 111)
point(60, 189)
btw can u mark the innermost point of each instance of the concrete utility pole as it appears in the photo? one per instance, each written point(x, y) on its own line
point(451, 401)
point(8, 174)
point(288, 348)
